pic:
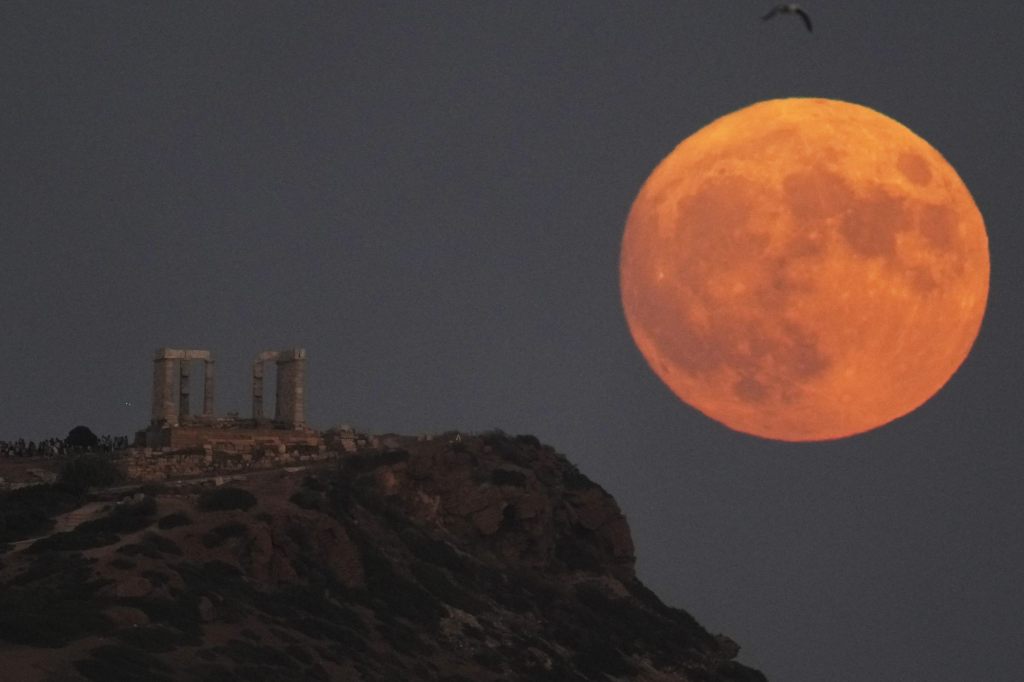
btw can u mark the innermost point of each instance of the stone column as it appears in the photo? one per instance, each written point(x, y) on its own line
point(165, 407)
point(208, 391)
point(184, 389)
point(257, 389)
point(291, 388)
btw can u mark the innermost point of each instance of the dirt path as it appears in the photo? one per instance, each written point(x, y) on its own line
point(90, 510)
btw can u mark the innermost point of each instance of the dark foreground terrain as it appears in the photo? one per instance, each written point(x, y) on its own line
point(476, 559)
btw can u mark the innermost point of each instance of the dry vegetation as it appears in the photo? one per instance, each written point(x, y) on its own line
point(489, 558)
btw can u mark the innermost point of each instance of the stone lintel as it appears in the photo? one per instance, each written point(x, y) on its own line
point(291, 355)
point(182, 354)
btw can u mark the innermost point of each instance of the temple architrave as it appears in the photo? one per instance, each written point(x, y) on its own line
point(174, 427)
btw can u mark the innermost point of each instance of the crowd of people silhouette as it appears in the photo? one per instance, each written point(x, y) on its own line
point(58, 447)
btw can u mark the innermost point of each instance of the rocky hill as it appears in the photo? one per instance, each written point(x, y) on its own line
point(478, 559)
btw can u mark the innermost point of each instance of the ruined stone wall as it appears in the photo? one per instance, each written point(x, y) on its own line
point(255, 451)
point(244, 451)
point(235, 439)
point(161, 466)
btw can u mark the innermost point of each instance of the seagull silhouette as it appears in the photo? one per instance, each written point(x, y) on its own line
point(789, 9)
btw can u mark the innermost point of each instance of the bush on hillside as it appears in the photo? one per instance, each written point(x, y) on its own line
point(89, 471)
point(226, 498)
point(174, 520)
point(81, 437)
point(29, 512)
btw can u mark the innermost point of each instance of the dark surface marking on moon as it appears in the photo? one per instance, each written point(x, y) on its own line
point(871, 224)
point(787, 362)
point(816, 194)
point(914, 168)
point(938, 224)
point(922, 280)
point(806, 359)
point(750, 390)
point(715, 227)
point(744, 333)
point(683, 346)
point(772, 358)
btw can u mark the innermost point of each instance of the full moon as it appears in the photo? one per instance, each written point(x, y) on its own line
point(804, 269)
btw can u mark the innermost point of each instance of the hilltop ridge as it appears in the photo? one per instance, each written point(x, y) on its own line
point(462, 558)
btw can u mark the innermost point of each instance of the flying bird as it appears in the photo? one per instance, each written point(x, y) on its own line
point(789, 9)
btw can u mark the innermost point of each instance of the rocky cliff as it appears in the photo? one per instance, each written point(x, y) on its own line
point(478, 558)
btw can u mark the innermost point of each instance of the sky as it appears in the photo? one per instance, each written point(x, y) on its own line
point(430, 197)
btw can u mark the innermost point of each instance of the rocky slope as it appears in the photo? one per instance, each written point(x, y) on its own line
point(481, 558)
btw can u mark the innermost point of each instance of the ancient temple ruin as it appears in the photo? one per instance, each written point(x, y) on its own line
point(173, 426)
point(289, 404)
point(172, 368)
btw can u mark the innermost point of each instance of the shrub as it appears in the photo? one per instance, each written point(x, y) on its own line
point(89, 471)
point(299, 654)
point(73, 541)
point(51, 603)
point(81, 437)
point(527, 439)
point(489, 659)
point(128, 517)
point(392, 457)
point(152, 638)
point(596, 660)
point(152, 546)
point(118, 662)
point(242, 652)
point(220, 534)
point(135, 509)
point(174, 520)
point(307, 499)
point(368, 461)
point(72, 571)
point(441, 586)
point(210, 577)
point(508, 477)
point(226, 498)
point(38, 619)
point(314, 483)
point(395, 595)
point(161, 544)
point(180, 613)
point(574, 479)
point(500, 442)
point(436, 552)
point(29, 512)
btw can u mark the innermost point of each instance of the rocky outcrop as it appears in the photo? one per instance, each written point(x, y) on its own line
point(523, 503)
point(457, 558)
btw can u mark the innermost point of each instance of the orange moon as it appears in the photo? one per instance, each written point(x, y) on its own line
point(804, 269)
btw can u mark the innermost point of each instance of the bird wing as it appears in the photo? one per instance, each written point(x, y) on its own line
point(772, 13)
point(806, 18)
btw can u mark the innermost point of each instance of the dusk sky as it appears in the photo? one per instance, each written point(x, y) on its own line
point(430, 198)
